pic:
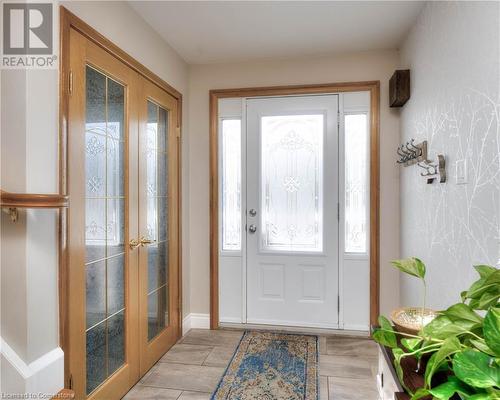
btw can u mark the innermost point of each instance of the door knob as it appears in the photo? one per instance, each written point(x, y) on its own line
point(252, 228)
point(145, 241)
point(134, 243)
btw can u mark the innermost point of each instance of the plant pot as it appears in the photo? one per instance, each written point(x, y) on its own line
point(409, 319)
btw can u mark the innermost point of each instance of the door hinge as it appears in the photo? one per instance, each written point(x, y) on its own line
point(178, 131)
point(338, 119)
point(70, 82)
point(70, 382)
point(338, 211)
point(338, 304)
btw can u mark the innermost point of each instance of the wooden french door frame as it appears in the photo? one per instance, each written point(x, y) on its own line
point(69, 22)
point(371, 86)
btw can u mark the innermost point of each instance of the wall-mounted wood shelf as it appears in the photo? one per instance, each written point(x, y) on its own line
point(10, 202)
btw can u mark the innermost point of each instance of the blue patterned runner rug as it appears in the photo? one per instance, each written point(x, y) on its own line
point(271, 366)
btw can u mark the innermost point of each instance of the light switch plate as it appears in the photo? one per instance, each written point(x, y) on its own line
point(461, 171)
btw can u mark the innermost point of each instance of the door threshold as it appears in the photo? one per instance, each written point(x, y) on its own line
point(296, 329)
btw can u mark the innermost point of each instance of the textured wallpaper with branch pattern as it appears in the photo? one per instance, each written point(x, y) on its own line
point(453, 52)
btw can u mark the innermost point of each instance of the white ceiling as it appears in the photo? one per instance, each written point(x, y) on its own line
point(224, 31)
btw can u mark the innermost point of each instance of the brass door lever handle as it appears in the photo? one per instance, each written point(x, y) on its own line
point(134, 243)
point(145, 241)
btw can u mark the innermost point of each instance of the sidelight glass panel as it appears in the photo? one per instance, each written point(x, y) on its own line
point(291, 182)
point(157, 218)
point(231, 184)
point(104, 226)
point(356, 183)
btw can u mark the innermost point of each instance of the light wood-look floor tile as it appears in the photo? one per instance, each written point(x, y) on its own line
point(140, 392)
point(219, 337)
point(351, 389)
point(187, 354)
point(195, 378)
point(194, 396)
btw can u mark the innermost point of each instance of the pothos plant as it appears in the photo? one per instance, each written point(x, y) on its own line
point(463, 342)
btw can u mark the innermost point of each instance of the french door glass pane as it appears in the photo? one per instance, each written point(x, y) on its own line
point(104, 226)
point(157, 218)
point(291, 182)
point(231, 184)
point(356, 183)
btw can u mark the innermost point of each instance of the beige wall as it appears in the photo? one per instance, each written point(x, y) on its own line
point(342, 68)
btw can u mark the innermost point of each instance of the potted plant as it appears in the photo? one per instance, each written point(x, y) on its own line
point(462, 343)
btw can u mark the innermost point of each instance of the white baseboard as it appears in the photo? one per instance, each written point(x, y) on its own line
point(44, 376)
point(195, 321)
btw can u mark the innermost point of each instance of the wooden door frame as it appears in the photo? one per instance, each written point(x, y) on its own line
point(67, 22)
point(330, 88)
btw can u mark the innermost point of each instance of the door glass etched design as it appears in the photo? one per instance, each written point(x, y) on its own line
point(231, 184)
point(157, 218)
point(291, 182)
point(356, 183)
point(104, 226)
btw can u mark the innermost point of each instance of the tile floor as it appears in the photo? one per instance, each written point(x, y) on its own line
point(192, 368)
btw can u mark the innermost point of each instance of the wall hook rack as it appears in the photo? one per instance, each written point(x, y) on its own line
point(410, 153)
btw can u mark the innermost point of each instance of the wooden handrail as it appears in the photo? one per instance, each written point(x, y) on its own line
point(31, 200)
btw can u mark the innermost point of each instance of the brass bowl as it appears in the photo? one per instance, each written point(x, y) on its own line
point(409, 319)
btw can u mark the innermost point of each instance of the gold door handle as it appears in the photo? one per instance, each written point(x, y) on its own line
point(134, 243)
point(145, 241)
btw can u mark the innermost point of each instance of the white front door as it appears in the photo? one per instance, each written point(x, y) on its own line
point(292, 211)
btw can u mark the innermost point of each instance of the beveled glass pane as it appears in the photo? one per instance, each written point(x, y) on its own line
point(95, 229)
point(162, 218)
point(231, 184)
point(152, 219)
point(115, 167)
point(95, 293)
point(95, 161)
point(157, 265)
point(356, 183)
point(115, 224)
point(95, 96)
point(162, 129)
point(96, 356)
point(162, 174)
point(116, 110)
point(157, 312)
point(116, 342)
point(291, 182)
point(115, 284)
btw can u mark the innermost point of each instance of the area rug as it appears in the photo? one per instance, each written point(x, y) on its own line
point(271, 366)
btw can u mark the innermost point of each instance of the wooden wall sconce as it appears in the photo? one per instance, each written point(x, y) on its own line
point(399, 88)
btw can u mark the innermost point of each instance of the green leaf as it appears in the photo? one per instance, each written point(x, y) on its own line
point(411, 344)
point(487, 300)
point(450, 346)
point(484, 271)
point(446, 390)
point(481, 396)
point(476, 369)
point(398, 355)
point(491, 329)
point(420, 393)
point(482, 346)
point(412, 266)
point(385, 334)
point(461, 311)
point(442, 327)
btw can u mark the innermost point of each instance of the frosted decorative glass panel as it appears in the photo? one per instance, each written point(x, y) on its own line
point(292, 182)
point(356, 183)
point(104, 226)
point(231, 184)
point(157, 218)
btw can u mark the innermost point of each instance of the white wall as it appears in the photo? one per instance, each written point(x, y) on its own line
point(31, 360)
point(453, 53)
point(341, 68)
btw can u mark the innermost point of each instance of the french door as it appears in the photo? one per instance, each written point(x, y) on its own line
point(292, 196)
point(122, 224)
